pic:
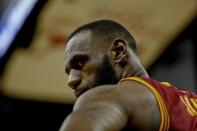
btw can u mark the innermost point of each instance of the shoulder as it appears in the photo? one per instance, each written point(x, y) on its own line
point(129, 98)
point(123, 93)
point(96, 95)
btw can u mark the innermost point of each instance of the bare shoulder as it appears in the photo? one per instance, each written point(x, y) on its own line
point(130, 97)
point(124, 93)
point(96, 95)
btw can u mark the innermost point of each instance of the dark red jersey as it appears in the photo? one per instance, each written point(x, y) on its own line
point(178, 108)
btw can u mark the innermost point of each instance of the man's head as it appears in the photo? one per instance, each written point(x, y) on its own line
point(98, 53)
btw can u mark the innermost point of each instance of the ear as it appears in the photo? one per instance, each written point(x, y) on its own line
point(119, 50)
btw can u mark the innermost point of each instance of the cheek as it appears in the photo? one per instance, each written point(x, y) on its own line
point(90, 70)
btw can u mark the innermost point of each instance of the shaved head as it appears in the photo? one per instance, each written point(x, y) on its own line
point(105, 31)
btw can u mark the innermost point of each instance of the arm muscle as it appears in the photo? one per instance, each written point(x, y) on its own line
point(97, 111)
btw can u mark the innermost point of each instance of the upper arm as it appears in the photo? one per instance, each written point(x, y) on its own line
point(98, 109)
point(112, 107)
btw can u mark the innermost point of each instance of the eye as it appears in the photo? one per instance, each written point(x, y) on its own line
point(78, 61)
point(78, 64)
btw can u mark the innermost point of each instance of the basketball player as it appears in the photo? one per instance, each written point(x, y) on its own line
point(114, 91)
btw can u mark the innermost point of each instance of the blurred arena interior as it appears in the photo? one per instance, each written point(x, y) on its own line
point(21, 109)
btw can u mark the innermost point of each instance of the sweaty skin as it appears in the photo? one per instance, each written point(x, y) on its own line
point(103, 103)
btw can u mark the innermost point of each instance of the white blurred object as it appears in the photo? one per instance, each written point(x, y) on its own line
point(12, 20)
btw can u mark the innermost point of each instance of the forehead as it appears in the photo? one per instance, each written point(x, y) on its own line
point(78, 43)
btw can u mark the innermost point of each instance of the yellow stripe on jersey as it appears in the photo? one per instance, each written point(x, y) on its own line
point(190, 104)
point(164, 126)
point(188, 109)
point(166, 84)
point(194, 102)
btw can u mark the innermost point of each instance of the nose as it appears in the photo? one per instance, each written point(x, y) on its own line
point(74, 78)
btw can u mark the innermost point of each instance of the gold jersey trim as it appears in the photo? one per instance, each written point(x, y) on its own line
point(191, 105)
point(166, 84)
point(164, 126)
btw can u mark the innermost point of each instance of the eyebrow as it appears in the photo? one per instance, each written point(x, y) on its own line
point(72, 57)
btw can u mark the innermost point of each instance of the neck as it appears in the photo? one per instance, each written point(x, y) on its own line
point(128, 72)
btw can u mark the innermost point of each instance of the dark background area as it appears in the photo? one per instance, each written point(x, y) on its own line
point(176, 65)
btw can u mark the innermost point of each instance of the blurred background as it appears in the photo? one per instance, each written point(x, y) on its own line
point(33, 90)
